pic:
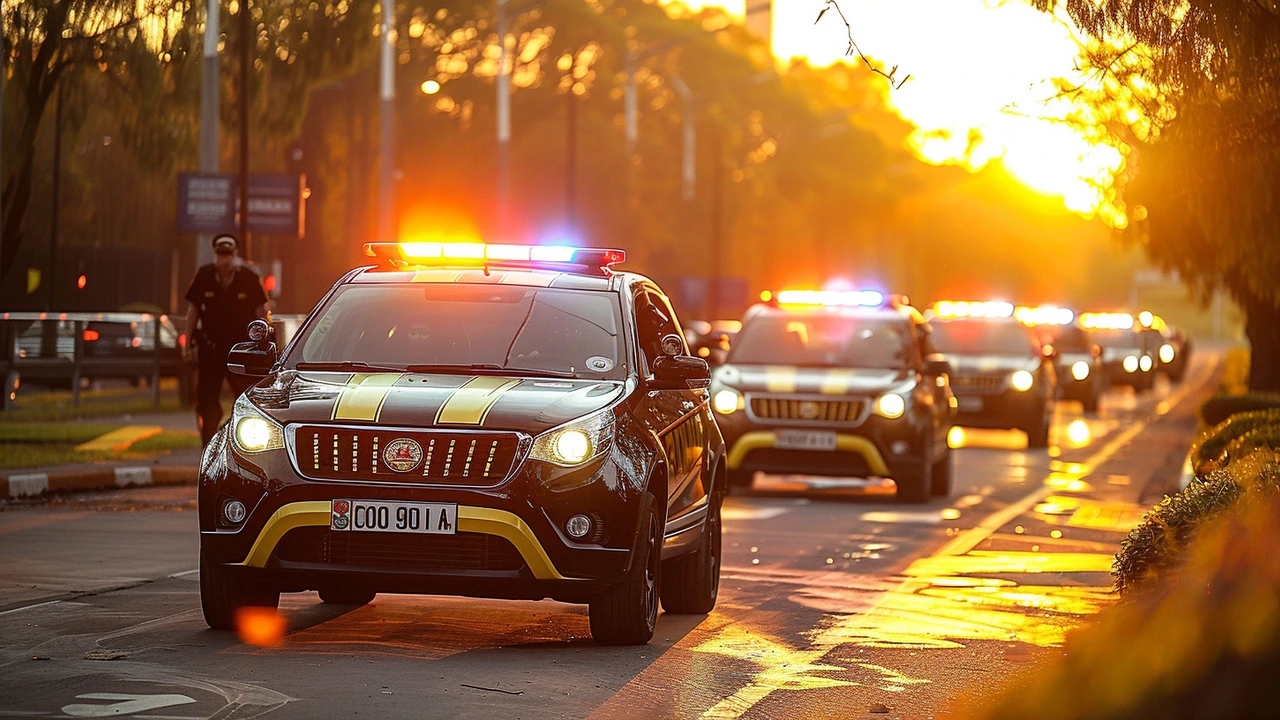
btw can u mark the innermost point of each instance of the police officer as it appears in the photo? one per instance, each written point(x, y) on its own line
point(224, 298)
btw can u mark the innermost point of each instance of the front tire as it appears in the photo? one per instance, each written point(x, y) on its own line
point(691, 583)
point(914, 484)
point(222, 595)
point(627, 613)
point(942, 472)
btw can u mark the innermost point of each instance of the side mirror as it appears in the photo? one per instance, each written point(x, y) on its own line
point(936, 365)
point(254, 358)
point(681, 372)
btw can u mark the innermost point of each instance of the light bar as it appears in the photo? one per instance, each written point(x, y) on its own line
point(476, 254)
point(1106, 321)
point(1044, 315)
point(966, 309)
point(831, 298)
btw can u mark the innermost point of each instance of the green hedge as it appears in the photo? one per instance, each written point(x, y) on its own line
point(1209, 451)
point(1221, 406)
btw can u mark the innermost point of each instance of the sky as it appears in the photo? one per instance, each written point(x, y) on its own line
point(980, 90)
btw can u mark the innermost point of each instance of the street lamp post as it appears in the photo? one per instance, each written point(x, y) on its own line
point(209, 100)
point(387, 128)
point(504, 120)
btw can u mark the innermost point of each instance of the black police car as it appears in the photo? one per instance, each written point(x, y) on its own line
point(1129, 354)
point(836, 383)
point(1000, 372)
point(497, 421)
point(1077, 359)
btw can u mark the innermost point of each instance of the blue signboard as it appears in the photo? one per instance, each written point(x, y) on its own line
point(208, 203)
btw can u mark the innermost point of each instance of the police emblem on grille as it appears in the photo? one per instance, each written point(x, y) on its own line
point(402, 455)
point(808, 410)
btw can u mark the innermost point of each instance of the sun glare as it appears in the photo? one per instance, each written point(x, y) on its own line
point(981, 88)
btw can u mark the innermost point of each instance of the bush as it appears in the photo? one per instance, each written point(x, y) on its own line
point(1220, 407)
point(1209, 451)
point(1206, 647)
point(1160, 542)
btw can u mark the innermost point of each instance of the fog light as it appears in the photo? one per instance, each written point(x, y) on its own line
point(1131, 364)
point(234, 511)
point(578, 526)
point(1080, 370)
point(900, 448)
point(1145, 363)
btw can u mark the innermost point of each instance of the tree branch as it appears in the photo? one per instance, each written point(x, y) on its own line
point(853, 47)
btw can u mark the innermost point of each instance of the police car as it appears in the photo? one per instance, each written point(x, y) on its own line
point(836, 383)
point(1128, 357)
point(489, 420)
point(1002, 375)
point(1077, 359)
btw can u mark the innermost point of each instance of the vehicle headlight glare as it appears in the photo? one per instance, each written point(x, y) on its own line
point(1166, 353)
point(1146, 363)
point(891, 405)
point(726, 401)
point(253, 431)
point(253, 434)
point(1022, 380)
point(1080, 370)
point(572, 446)
point(577, 442)
point(1130, 364)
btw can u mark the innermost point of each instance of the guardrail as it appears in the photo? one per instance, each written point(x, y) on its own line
point(68, 347)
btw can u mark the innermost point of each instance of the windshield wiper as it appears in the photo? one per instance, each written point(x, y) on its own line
point(347, 366)
point(489, 369)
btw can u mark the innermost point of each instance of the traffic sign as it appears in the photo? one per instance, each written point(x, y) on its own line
point(208, 203)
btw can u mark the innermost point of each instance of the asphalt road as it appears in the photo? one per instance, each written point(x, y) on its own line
point(835, 601)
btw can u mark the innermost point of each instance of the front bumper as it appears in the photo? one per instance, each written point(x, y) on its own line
point(508, 541)
point(877, 447)
point(1009, 409)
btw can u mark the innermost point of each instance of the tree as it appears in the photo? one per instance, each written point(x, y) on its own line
point(1208, 176)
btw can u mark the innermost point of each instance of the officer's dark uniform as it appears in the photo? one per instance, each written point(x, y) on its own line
point(225, 314)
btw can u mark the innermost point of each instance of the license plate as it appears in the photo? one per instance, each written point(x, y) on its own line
point(806, 440)
point(969, 404)
point(395, 517)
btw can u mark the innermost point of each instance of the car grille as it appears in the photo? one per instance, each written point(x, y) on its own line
point(799, 409)
point(448, 458)
point(987, 383)
point(399, 551)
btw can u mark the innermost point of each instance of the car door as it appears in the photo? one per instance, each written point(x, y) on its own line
point(678, 417)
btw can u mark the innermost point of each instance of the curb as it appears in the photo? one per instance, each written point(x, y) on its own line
point(35, 484)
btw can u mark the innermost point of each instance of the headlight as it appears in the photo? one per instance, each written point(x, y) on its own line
point(1080, 370)
point(253, 431)
point(1130, 364)
point(1022, 381)
point(1166, 353)
point(1146, 363)
point(891, 405)
point(726, 401)
point(577, 442)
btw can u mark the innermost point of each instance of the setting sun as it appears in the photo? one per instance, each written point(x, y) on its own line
point(981, 87)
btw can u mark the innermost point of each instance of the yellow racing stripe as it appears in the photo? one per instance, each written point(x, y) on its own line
point(470, 404)
point(363, 396)
point(836, 382)
point(780, 379)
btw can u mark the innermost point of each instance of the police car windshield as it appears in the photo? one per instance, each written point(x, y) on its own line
point(1116, 338)
point(823, 341)
point(1066, 338)
point(452, 327)
point(984, 337)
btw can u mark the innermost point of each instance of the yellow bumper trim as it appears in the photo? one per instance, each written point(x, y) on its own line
point(488, 521)
point(849, 443)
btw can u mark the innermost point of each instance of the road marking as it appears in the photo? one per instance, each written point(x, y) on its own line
point(185, 573)
point(30, 607)
point(119, 439)
point(125, 704)
point(752, 513)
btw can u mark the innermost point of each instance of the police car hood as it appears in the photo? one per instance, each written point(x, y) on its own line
point(979, 364)
point(489, 402)
point(809, 380)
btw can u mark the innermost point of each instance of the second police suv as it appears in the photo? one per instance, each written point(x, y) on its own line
point(837, 383)
point(490, 420)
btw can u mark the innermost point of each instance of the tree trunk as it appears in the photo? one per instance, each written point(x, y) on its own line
point(1262, 326)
